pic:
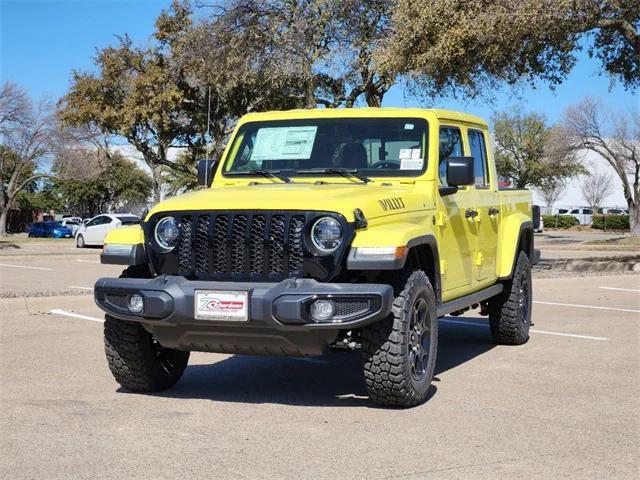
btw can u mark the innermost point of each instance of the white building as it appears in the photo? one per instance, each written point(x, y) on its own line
point(572, 196)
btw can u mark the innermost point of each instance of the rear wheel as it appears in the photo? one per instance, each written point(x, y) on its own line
point(510, 312)
point(399, 352)
point(80, 241)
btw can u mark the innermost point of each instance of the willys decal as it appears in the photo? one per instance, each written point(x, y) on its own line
point(395, 203)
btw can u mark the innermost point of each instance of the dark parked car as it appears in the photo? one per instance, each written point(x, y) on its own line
point(49, 230)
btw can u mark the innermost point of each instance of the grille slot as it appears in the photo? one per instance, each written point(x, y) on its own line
point(241, 245)
point(184, 247)
point(347, 308)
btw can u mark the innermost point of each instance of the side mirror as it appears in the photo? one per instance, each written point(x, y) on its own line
point(206, 171)
point(459, 173)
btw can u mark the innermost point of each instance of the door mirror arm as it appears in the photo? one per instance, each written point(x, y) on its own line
point(447, 190)
point(206, 172)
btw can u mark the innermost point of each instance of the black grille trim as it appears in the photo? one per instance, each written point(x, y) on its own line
point(245, 246)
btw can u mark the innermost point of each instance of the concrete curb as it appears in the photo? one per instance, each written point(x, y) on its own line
point(609, 265)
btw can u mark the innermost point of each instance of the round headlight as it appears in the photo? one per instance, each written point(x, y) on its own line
point(167, 233)
point(326, 235)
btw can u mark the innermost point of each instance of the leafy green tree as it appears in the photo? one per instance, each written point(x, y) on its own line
point(313, 52)
point(457, 46)
point(527, 151)
point(138, 94)
point(118, 183)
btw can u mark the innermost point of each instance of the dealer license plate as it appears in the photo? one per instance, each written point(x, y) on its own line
point(225, 306)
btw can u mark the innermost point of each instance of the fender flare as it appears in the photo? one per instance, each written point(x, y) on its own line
point(525, 228)
point(393, 263)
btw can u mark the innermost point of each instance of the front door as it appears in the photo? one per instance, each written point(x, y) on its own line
point(457, 237)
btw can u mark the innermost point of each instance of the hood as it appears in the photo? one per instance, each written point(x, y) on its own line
point(374, 199)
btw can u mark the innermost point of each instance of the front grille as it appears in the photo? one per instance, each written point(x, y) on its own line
point(235, 245)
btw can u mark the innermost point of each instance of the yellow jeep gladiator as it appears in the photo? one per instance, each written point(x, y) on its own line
point(351, 229)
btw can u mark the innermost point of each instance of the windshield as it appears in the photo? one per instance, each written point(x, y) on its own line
point(129, 220)
point(373, 146)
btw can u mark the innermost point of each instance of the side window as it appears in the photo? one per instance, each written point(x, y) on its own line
point(94, 222)
point(450, 146)
point(479, 154)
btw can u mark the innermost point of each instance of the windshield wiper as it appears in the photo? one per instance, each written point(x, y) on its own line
point(351, 173)
point(264, 173)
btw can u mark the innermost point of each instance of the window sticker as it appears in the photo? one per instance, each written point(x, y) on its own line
point(409, 126)
point(405, 153)
point(409, 153)
point(284, 143)
point(411, 164)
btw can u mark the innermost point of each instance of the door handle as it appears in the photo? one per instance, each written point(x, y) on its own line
point(493, 211)
point(470, 213)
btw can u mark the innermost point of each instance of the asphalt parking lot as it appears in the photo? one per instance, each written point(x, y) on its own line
point(565, 405)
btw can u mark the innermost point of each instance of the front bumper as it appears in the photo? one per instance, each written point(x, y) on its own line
point(279, 319)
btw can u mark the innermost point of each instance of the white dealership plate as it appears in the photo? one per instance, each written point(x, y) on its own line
point(227, 306)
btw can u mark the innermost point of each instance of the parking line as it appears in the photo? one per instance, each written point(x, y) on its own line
point(87, 261)
point(593, 307)
point(81, 288)
point(543, 332)
point(620, 289)
point(57, 311)
point(24, 266)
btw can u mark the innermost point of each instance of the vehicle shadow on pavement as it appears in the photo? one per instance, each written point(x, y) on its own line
point(333, 380)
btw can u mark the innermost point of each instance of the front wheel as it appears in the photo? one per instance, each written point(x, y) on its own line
point(80, 241)
point(399, 352)
point(136, 359)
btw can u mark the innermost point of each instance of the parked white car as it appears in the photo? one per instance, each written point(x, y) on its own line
point(93, 231)
point(584, 215)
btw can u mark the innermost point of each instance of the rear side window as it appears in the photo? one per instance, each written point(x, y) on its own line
point(450, 146)
point(479, 154)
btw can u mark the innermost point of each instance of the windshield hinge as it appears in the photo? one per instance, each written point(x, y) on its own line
point(360, 219)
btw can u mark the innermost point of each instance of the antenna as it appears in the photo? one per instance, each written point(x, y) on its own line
point(207, 135)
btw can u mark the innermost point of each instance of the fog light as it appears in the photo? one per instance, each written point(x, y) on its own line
point(322, 310)
point(136, 303)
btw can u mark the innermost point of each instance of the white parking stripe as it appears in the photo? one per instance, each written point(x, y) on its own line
point(544, 332)
point(57, 311)
point(620, 289)
point(87, 261)
point(81, 288)
point(593, 307)
point(24, 266)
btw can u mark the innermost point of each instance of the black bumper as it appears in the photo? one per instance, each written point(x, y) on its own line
point(279, 319)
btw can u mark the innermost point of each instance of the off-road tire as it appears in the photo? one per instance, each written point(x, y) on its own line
point(510, 311)
point(136, 360)
point(390, 370)
point(80, 242)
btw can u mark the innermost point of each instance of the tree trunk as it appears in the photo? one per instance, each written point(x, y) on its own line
point(156, 177)
point(634, 219)
point(3, 222)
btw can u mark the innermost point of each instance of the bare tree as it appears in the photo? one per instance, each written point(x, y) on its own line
point(551, 191)
point(25, 130)
point(596, 187)
point(615, 136)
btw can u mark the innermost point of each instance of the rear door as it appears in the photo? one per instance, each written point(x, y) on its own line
point(456, 242)
point(93, 233)
point(487, 204)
